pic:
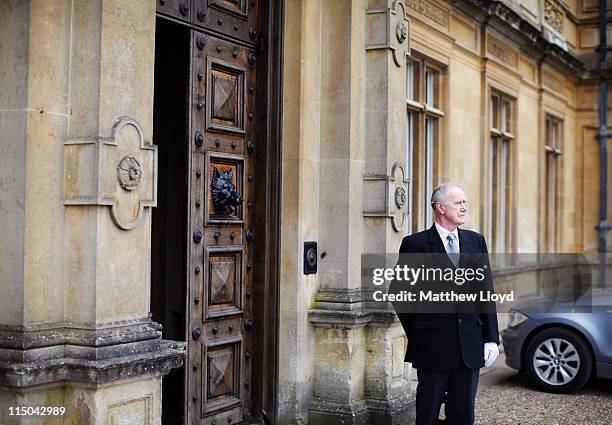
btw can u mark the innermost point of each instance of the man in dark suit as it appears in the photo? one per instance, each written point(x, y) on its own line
point(448, 349)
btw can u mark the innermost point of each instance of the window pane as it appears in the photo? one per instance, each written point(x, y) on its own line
point(410, 80)
point(551, 195)
point(553, 203)
point(430, 87)
point(503, 194)
point(506, 116)
point(494, 112)
point(490, 197)
point(548, 194)
point(495, 195)
point(411, 140)
point(430, 129)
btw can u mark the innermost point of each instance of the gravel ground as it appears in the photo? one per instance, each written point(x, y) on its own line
point(516, 402)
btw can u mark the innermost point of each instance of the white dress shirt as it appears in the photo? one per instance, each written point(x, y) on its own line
point(444, 235)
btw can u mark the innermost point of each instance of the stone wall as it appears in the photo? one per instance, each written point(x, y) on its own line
point(344, 144)
point(77, 99)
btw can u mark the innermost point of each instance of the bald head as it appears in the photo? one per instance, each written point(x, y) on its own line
point(449, 205)
point(440, 193)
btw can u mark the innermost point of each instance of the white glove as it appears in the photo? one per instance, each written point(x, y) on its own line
point(490, 353)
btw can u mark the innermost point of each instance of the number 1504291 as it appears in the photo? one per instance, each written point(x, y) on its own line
point(36, 410)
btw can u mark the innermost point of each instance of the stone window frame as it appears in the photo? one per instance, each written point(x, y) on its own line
point(551, 197)
point(500, 171)
point(425, 97)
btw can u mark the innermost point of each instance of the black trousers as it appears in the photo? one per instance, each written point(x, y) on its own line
point(461, 385)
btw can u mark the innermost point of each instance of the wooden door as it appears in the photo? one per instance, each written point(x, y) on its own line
point(230, 322)
point(221, 188)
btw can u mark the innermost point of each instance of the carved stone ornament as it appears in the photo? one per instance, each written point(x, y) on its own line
point(92, 176)
point(401, 30)
point(385, 196)
point(430, 10)
point(129, 173)
point(389, 28)
point(554, 16)
point(397, 185)
point(399, 19)
point(400, 197)
point(224, 195)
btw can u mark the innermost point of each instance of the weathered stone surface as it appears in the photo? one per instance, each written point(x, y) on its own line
point(75, 304)
point(156, 362)
point(361, 377)
point(119, 351)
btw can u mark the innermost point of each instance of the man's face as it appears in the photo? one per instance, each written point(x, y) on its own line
point(455, 207)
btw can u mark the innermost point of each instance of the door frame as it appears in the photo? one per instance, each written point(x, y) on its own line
point(266, 279)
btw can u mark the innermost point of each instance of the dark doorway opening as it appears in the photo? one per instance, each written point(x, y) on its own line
point(169, 227)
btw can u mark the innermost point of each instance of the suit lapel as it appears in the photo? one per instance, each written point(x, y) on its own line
point(435, 242)
point(466, 246)
point(465, 243)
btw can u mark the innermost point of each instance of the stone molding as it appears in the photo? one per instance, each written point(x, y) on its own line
point(367, 411)
point(431, 10)
point(393, 405)
point(38, 336)
point(390, 206)
point(351, 318)
point(389, 28)
point(51, 354)
point(331, 411)
point(341, 295)
point(534, 35)
point(159, 362)
point(502, 51)
point(112, 171)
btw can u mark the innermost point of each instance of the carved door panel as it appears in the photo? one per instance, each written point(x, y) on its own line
point(179, 9)
point(233, 18)
point(221, 219)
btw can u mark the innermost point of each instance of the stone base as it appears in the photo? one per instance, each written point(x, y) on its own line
point(401, 410)
point(360, 375)
point(133, 401)
point(327, 412)
point(99, 376)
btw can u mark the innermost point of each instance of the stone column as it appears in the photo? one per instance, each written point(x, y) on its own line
point(339, 343)
point(78, 178)
point(300, 200)
point(359, 375)
point(390, 381)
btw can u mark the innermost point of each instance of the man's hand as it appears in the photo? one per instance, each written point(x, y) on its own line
point(490, 353)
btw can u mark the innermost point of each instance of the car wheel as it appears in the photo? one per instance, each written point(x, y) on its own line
point(558, 360)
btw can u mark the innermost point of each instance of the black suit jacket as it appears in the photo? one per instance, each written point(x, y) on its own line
point(440, 341)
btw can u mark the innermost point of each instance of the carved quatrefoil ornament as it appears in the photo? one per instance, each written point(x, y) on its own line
point(388, 28)
point(400, 46)
point(385, 196)
point(118, 171)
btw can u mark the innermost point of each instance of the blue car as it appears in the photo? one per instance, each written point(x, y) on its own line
point(561, 349)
